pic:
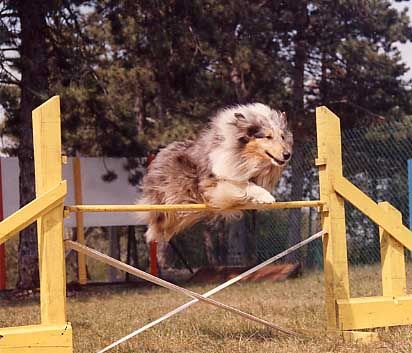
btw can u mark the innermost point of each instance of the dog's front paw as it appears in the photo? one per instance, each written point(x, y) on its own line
point(259, 195)
point(264, 199)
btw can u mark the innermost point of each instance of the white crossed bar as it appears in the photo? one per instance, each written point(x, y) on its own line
point(197, 297)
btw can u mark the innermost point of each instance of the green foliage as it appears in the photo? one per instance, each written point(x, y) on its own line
point(136, 75)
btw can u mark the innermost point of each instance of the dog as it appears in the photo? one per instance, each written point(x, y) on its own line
point(235, 161)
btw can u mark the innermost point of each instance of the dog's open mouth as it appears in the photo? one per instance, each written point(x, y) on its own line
point(275, 159)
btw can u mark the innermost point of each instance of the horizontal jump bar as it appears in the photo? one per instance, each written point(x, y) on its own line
point(188, 207)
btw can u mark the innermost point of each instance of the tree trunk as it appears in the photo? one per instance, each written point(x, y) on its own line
point(132, 255)
point(162, 91)
point(298, 122)
point(242, 241)
point(139, 111)
point(233, 247)
point(114, 251)
point(166, 257)
point(34, 90)
point(222, 242)
point(295, 215)
point(209, 247)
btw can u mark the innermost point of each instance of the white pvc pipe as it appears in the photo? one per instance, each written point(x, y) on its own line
point(214, 290)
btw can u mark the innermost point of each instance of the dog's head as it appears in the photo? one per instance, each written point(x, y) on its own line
point(263, 134)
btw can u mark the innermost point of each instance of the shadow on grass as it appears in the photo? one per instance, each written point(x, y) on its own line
point(90, 292)
point(241, 332)
point(13, 298)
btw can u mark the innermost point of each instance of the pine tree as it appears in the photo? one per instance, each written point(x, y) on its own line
point(25, 32)
point(135, 75)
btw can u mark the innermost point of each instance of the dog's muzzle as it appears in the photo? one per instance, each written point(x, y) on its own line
point(278, 161)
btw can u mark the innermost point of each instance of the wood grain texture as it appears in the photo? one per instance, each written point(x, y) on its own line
point(33, 210)
point(37, 339)
point(78, 198)
point(48, 172)
point(329, 162)
point(392, 257)
point(370, 208)
point(369, 312)
point(187, 207)
point(360, 336)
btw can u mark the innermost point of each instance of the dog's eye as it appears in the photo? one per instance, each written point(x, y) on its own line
point(269, 137)
point(282, 136)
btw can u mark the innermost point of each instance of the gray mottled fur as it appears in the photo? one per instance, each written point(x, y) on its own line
point(224, 167)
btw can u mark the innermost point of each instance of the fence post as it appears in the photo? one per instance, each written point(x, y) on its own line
point(48, 172)
point(392, 258)
point(335, 261)
point(78, 198)
point(3, 268)
point(114, 251)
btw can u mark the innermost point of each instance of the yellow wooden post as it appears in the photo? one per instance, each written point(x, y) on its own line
point(392, 257)
point(78, 197)
point(329, 162)
point(48, 171)
point(54, 334)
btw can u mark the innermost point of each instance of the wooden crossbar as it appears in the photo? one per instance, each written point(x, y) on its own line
point(148, 277)
point(32, 211)
point(188, 207)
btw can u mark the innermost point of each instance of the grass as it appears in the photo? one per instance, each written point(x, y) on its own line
point(101, 315)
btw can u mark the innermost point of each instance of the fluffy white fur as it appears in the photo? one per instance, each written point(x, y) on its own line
point(235, 161)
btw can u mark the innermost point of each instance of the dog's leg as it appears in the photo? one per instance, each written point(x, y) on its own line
point(227, 194)
point(257, 194)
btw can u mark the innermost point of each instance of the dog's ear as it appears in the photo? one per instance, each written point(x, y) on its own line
point(240, 117)
point(240, 121)
point(283, 120)
point(243, 127)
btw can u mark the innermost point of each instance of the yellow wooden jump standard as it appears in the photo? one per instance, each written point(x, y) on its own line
point(344, 313)
point(329, 162)
point(54, 333)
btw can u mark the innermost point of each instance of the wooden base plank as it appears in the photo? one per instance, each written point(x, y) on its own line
point(36, 339)
point(360, 336)
point(370, 312)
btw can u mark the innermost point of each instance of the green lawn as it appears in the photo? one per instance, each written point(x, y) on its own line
point(101, 315)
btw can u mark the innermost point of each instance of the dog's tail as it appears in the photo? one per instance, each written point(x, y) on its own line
point(146, 218)
point(155, 221)
point(142, 217)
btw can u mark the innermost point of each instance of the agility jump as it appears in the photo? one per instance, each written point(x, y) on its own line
point(344, 314)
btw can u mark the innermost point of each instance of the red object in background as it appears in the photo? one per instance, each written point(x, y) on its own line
point(150, 159)
point(3, 276)
point(154, 270)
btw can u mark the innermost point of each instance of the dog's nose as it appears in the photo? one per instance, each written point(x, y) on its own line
point(286, 156)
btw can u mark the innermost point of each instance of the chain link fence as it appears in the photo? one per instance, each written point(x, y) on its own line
point(374, 159)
